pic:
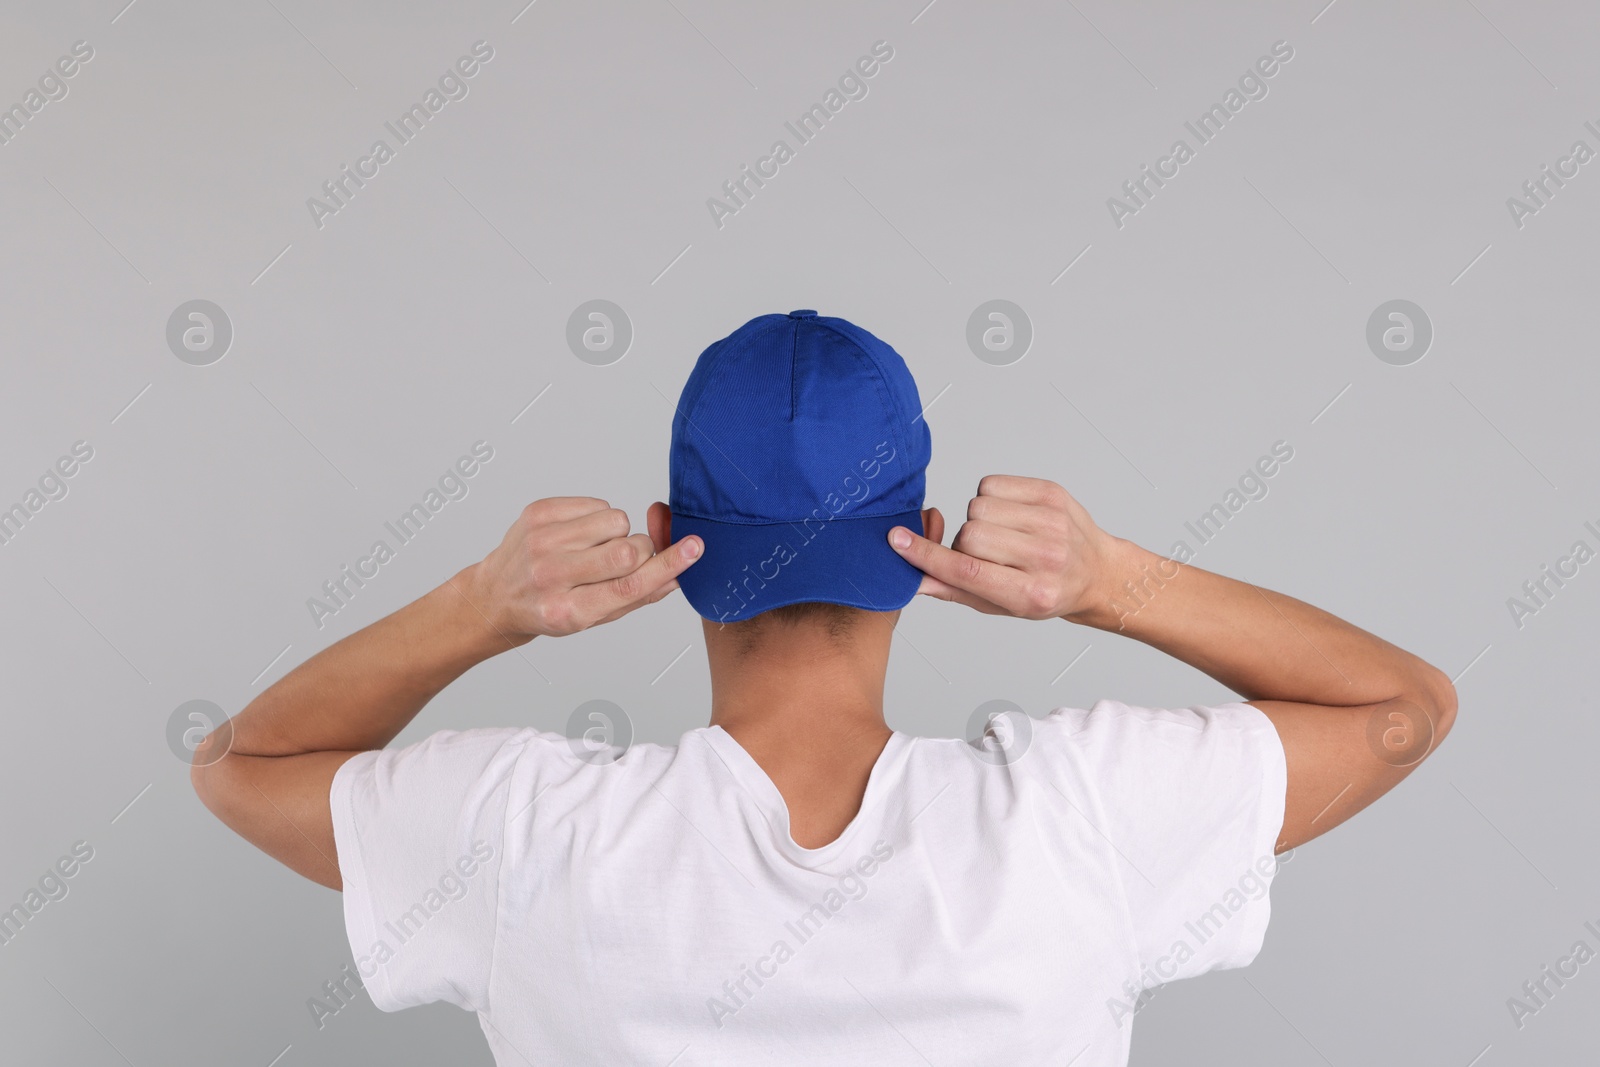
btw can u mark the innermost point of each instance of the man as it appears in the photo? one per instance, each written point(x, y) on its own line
point(798, 882)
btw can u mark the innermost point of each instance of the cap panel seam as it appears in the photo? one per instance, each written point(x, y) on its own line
point(794, 369)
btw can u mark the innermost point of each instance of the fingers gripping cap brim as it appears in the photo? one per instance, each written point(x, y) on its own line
point(750, 568)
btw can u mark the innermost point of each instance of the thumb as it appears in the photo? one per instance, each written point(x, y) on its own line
point(948, 574)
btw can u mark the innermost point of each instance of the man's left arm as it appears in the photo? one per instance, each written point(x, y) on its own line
point(567, 564)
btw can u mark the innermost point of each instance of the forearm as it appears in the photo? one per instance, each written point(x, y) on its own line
point(1261, 644)
point(360, 692)
point(565, 565)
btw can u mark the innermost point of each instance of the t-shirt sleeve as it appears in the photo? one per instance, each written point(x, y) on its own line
point(420, 835)
point(1192, 801)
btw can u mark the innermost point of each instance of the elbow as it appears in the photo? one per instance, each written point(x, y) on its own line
point(1438, 697)
point(209, 771)
point(200, 780)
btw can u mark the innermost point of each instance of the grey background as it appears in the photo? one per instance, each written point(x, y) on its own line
point(368, 355)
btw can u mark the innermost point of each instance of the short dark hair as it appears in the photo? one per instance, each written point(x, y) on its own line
point(838, 620)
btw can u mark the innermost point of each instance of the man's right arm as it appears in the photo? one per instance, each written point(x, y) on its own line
point(1355, 714)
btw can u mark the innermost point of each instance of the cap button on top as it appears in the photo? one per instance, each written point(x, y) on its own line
point(803, 313)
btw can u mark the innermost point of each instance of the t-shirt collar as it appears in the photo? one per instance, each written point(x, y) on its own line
point(755, 781)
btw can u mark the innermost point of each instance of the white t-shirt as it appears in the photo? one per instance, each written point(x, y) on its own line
point(980, 909)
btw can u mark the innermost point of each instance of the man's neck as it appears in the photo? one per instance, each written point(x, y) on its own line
point(808, 708)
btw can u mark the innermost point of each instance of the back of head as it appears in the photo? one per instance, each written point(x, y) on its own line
point(798, 443)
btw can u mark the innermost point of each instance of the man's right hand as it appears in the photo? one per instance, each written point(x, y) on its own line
point(1355, 713)
point(1027, 549)
point(569, 563)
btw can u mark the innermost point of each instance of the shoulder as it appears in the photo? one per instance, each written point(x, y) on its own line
point(1112, 730)
point(1113, 718)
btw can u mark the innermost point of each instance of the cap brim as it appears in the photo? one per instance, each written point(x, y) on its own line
point(747, 569)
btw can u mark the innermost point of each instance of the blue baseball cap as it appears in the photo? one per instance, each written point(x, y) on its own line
point(798, 443)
